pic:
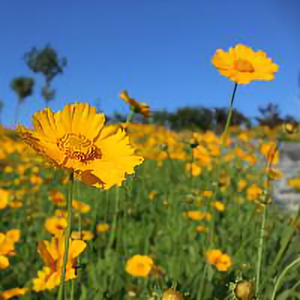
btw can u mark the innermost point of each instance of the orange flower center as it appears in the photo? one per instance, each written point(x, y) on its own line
point(244, 66)
point(78, 147)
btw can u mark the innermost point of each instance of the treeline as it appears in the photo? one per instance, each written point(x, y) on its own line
point(201, 118)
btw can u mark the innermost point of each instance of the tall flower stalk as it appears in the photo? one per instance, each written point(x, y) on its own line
point(67, 237)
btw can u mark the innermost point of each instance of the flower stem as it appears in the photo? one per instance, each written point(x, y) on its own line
point(114, 225)
point(228, 121)
point(282, 274)
point(67, 236)
point(260, 250)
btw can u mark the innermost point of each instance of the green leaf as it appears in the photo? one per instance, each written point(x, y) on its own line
point(83, 295)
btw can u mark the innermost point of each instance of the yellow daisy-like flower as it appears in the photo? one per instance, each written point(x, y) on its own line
point(102, 227)
point(243, 65)
point(77, 140)
point(139, 265)
point(140, 108)
point(56, 225)
point(8, 294)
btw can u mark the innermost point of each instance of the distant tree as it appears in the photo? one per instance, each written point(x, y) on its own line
point(193, 118)
point(237, 118)
point(45, 61)
point(270, 116)
point(23, 87)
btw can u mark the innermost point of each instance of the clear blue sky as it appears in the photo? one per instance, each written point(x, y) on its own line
point(159, 50)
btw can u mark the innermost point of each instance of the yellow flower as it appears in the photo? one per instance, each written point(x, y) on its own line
point(207, 194)
point(52, 254)
point(61, 213)
point(140, 108)
point(198, 215)
point(268, 150)
point(4, 262)
point(80, 206)
point(56, 225)
point(36, 180)
point(253, 192)
point(242, 65)
point(213, 256)
point(196, 170)
point(201, 228)
point(242, 184)
point(4, 196)
point(13, 293)
point(223, 263)
point(13, 235)
point(83, 235)
point(152, 195)
point(139, 265)
point(8, 169)
point(218, 205)
point(102, 227)
point(294, 182)
point(220, 260)
point(57, 197)
point(15, 204)
point(273, 173)
point(77, 140)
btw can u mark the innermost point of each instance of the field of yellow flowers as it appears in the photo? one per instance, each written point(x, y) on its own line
point(129, 211)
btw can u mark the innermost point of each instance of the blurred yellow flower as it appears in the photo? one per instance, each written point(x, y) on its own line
point(4, 196)
point(241, 184)
point(81, 207)
point(242, 65)
point(57, 197)
point(83, 235)
point(139, 265)
point(77, 140)
point(220, 260)
point(294, 182)
point(218, 205)
point(140, 108)
point(213, 256)
point(198, 215)
point(8, 294)
point(201, 228)
point(223, 263)
point(253, 192)
point(268, 150)
point(152, 195)
point(4, 262)
point(56, 225)
point(102, 227)
point(52, 254)
point(192, 168)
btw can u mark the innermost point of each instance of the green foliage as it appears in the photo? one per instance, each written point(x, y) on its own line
point(45, 61)
point(23, 87)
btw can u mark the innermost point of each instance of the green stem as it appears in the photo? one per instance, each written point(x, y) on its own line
point(130, 116)
point(260, 250)
point(67, 236)
point(72, 289)
point(191, 171)
point(282, 274)
point(228, 121)
point(114, 225)
point(17, 109)
point(199, 296)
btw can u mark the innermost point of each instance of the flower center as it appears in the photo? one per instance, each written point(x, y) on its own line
point(78, 147)
point(244, 66)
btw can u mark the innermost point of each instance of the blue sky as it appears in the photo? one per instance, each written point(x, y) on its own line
point(159, 50)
